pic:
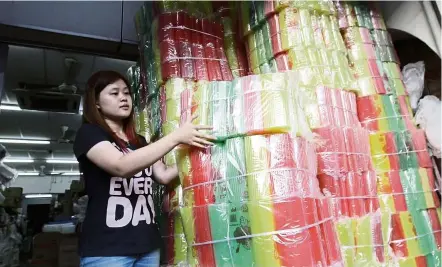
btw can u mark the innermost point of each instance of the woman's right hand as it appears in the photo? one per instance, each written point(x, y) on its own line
point(189, 134)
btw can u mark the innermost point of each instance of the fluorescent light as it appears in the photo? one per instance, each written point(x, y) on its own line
point(9, 107)
point(11, 160)
point(28, 174)
point(71, 173)
point(61, 161)
point(23, 141)
point(38, 196)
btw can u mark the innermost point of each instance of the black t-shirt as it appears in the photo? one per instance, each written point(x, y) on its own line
point(120, 216)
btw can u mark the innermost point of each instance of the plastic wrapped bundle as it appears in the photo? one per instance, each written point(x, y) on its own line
point(386, 53)
point(264, 209)
point(139, 101)
point(419, 190)
point(325, 7)
point(359, 15)
point(149, 77)
point(328, 107)
point(414, 241)
point(265, 104)
point(188, 46)
point(398, 151)
point(234, 50)
point(384, 113)
point(174, 240)
point(133, 75)
point(273, 191)
point(299, 28)
point(208, 186)
point(210, 102)
point(343, 150)
point(252, 14)
point(255, 49)
point(154, 115)
point(361, 240)
point(170, 95)
point(250, 105)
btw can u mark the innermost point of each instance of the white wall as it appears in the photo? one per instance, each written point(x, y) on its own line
point(411, 17)
point(44, 184)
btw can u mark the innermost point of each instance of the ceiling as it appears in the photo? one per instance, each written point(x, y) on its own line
point(44, 66)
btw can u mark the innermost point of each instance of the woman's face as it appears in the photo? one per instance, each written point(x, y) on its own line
point(115, 101)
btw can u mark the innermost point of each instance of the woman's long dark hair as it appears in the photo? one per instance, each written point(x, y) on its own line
point(96, 83)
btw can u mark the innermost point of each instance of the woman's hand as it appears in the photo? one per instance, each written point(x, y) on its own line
point(189, 134)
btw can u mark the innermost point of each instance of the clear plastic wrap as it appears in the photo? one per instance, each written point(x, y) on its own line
point(178, 40)
point(399, 150)
point(325, 107)
point(414, 77)
point(361, 240)
point(367, 50)
point(385, 113)
point(427, 118)
point(342, 150)
point(407, 190)
point(255, 201)
point(415, 237)
point(175, 245)
point(291, 28)
point(140, 99)
point(227, 14)
point(170, 109)
point(351, 14)
point(386, 53)
point(190, 47)
point(256, 104)
point(154, 115)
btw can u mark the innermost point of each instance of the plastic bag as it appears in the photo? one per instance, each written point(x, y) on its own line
point(414, 74)
point(428, 118)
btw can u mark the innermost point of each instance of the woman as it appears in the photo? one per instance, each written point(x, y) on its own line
point(119, 169)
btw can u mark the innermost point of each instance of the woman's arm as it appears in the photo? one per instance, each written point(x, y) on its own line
point(110, 159)
point(107, 157)
point(164, 174)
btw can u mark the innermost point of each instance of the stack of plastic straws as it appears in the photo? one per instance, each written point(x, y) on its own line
point(178, 40)
point(227, 14)
point(405, 179)
point(305, 37)
point(181, 45)
point(255, 201)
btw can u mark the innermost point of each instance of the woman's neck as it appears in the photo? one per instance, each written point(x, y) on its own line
point(116, 127)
